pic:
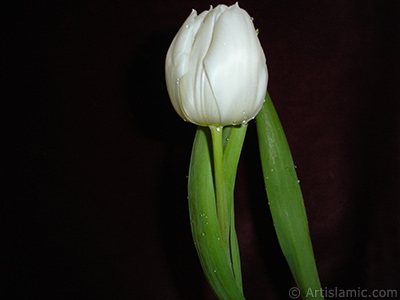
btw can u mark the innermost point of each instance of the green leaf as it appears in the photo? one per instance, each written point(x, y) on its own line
point(234, 142)
point(285, 200)
point(204, 222)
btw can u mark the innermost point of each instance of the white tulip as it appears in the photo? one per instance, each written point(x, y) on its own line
point(216, 71)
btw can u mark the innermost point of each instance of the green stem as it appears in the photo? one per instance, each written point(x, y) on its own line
point(203, 214)
point(222, 207)
point(233, 139)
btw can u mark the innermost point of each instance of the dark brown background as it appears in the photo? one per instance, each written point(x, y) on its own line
point(96, 173)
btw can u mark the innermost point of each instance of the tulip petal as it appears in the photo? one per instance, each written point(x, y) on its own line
point(235, 66)
point(215, 68)
point(177, 61)
point(198, 101)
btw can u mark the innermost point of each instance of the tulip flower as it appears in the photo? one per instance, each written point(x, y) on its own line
point(216, 76)
point(216, 71)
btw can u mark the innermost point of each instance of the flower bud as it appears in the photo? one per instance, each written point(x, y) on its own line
point(215, 68)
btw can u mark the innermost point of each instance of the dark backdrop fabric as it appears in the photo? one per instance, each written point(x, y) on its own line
point(97, 160)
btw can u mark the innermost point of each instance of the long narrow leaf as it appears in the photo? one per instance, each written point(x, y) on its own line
point(234, 143)
point(285, 200)
point(204, 223)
